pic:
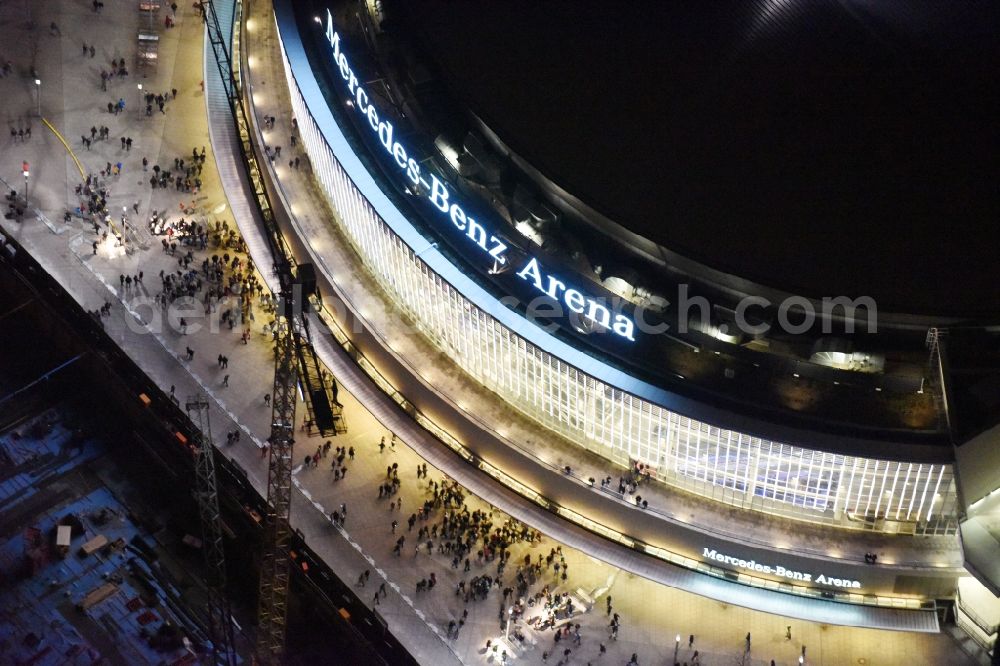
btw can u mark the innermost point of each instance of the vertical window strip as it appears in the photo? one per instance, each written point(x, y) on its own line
point(906, 485)
point(937, 486)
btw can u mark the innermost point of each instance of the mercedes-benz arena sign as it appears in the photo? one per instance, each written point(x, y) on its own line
point(778, 570)
point(479, 236)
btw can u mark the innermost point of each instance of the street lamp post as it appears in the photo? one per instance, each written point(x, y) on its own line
point(38, 97)
point(506, 633)
point(24, 169)
point(139, 105)
point(124, 226)
point(677, 646)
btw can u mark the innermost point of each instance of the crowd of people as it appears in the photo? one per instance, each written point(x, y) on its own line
point(490, 552)
point(492, 558)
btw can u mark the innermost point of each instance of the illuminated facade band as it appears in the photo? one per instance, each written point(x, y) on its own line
point(728, 466)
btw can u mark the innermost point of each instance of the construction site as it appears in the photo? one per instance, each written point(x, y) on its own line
point(103, 550)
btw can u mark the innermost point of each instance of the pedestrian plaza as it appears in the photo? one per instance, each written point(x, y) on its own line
point(180, 281)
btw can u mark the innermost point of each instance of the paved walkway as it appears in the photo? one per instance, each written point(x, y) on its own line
point(66, 252)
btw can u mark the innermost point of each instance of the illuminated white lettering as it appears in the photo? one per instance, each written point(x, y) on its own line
point(574, 300)
point(458, 217)
point(345, 70)
point(476, 233)
point(497, 250)
point(599, 314)
point(439, 194)
point(362, 106)
point(554, 287)
point(531, 269)
point(373, 118)
point(778, 570)
point(385, 135)
point(624, 327)
point(413, 171)
point(400, 154)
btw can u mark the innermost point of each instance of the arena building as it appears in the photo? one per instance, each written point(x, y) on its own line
point(709, 257)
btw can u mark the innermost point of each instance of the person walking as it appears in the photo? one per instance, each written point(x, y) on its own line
point(225, 381)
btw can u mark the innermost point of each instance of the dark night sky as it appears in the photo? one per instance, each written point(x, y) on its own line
point(825, 146)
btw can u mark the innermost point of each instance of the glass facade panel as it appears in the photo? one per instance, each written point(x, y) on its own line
point(721, 464)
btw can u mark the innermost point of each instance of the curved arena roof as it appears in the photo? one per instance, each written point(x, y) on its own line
point(824, 147)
